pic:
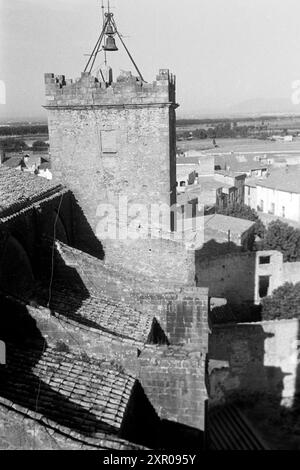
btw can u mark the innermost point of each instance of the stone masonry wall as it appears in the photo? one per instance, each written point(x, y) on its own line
point(80, 115)
point(174, 378)
point(183, 314)
point(115, 147)
point(235, 276)
point(231, 276)
point(165, 260)
point(256, 358)
point(174, 381)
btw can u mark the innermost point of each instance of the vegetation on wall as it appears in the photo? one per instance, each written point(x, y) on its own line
point(284, 303)
point(282, 237)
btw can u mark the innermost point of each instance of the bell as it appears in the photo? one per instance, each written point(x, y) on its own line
point(110, 44)
point(109, 30)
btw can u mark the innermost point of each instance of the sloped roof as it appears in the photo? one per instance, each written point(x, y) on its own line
point(229, 429)
point(45, 166)
point(223, 223)
point(84, 399)
point(283, 179)
point(99, 313)
point(14, 162)
point(239, 162)
point(19, 190)
point(251, 182)
point(206, 182)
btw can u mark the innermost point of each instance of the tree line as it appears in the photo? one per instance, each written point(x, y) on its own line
point(24, 130)
point(15, 145)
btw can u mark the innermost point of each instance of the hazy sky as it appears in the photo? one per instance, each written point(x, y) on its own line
point(222, 51)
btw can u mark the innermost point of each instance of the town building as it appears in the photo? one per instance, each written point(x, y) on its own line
point(277, 195)
point(252, 164)
point(29, 161)
point(133, 160)
point(226, 229)
point(243, 278)
point(189, 168)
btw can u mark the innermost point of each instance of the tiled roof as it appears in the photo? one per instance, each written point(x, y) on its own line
point(251, 182)
point(14, 162)
point(20, 430)
point(223, 223)
point(283, 179)
point(20, 189)
point(239, 162)
point(99, 313)
point(98, 276)
point(84, 399)
point(229, 429)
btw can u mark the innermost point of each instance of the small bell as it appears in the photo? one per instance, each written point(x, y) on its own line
point(110, 44)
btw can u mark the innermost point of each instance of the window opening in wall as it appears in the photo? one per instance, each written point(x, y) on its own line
point(283, 211)
point(264, 259)
point(264, 283)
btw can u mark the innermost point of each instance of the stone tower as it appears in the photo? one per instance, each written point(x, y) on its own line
point(115, 142)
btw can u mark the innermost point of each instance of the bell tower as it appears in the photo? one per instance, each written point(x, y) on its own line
point(114, 140)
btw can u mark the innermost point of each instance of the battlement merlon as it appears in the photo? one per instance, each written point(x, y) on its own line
point(127, 90)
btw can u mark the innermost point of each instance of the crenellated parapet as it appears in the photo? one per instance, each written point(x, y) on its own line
point(127, 90)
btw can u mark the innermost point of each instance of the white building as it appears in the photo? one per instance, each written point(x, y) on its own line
point(277, 195)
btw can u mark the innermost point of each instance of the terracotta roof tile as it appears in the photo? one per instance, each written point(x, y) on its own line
point(86, 399)
point(20, 189)
point(99, 313)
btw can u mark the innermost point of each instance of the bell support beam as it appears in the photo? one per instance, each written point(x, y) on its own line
point(129, 55)
point(110, 22)
point(96, 48)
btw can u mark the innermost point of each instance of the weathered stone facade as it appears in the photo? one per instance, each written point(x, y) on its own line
point(253, 359)
point(81, 307)
point(116, 145)
point(236, 276)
